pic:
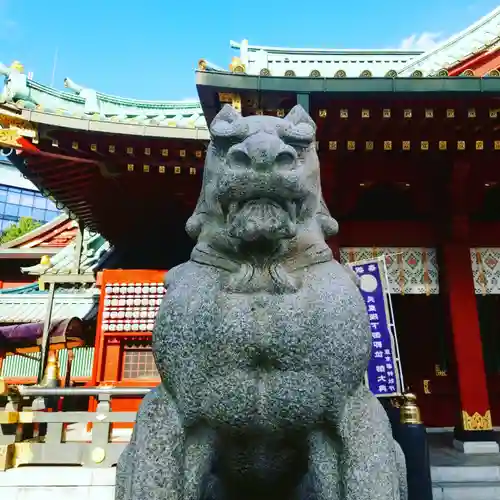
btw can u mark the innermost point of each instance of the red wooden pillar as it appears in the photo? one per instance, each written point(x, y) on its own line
point(475, 420)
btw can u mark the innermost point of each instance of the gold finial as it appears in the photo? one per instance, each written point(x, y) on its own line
point(51, 376)
point(17, 66)
point(45, 260)
point(237, 65)
point(410, 412)
point(202, 65)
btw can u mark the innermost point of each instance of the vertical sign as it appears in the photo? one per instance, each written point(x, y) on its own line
point(384, 374)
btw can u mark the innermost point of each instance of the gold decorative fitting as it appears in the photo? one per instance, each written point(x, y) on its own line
point(479, 145)
point(93, 147)
point(494, 73)
point(387, 145)
point(369, 145)
point(391, 74)
point(182, 153)
point(74, 145)
point(461, 145)
point(496, 145)
point(493, 113)
point(468, 72)
point(315, 74)
point(225, 97)
point(289, 73)
point(280, 113)
point(202, 65)
point(365, 113)
point(161, 169)
point(407, 113)
point(198, 154)
point(429, 113)
point(265, 72)
point(51, 374)
point(130, 150)
point(351, 145)
point(164, 152)
point(386, 113)
point(427, 389)
point(236, 102)
point(471, 113)
point(332, 145)
point(145, 168)
point(147, 151)
point(409, 411)
point(237, 65)
point(192, 171)
point(323, 113)
point(177, 170)
point(112, 148)
point(450, 113)
point(366, 74)
point(340, 74)
point(55, 143)
point(440, 372)
point(98, 455)
point(442, 73)
point(406, 145)
point(130, 167)
point(443, 145)
point(417, 74)
point(344, 113)
point(259, 112)
point(477, 422)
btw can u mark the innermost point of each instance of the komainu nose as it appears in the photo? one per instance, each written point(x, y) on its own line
point(262, 151)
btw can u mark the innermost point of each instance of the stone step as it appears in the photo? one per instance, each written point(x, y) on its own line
point(465, 474)
point(481, 490)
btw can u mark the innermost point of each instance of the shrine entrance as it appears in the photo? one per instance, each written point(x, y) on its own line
point(422, 326)
point(486, 272)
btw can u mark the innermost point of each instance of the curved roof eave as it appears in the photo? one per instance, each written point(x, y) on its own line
point(478, 36)
point(110, 127)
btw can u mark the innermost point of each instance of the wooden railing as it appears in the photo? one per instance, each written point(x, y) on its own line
point(32, 434)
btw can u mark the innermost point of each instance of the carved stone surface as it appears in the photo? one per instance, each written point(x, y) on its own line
point(262, 342)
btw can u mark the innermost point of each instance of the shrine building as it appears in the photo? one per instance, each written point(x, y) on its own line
point(409, 145)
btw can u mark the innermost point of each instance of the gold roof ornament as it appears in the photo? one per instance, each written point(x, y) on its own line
point(202, 65)
point(45, 260)
point(17, 66)
point(237, 65)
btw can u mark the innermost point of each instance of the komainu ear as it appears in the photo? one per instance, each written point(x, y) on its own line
point(223, 123)
point(298, 115)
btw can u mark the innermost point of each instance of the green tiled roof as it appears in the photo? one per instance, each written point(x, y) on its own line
point(18, 366)
point(95, 249)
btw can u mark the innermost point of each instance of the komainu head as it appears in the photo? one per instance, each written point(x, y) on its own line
point(261, 195)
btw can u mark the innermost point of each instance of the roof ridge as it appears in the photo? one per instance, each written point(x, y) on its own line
point(453, 39)
point(291, 50)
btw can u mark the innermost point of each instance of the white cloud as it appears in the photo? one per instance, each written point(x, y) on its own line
point(425, 41)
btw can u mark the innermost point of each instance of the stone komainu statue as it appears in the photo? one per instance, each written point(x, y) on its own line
point(262, 342)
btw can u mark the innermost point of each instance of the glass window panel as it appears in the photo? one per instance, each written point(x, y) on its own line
point(11, 209)
point(51, 205)
point(24, 211)
point(14, 190)
point(13, 197)
point(2, 208)
point(40, 201)
point(38, 214)
point(27, 200)
point(51, 214)
point(3, 193)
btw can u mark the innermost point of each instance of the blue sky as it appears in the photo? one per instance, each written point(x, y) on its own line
point(149, 49)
